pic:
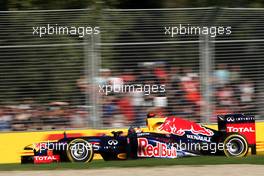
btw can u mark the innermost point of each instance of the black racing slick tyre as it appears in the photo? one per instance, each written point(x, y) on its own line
point(235, 145)
point(27, 159)
point(79, 150)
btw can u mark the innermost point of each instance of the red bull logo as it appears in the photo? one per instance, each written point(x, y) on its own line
point(160, 150)
point(179, 126)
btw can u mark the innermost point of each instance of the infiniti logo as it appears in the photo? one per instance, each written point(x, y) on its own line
point(230, 119)
point(112, 142)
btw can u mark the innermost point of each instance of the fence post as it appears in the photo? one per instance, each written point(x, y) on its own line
point(92, 66)
point(206, 61)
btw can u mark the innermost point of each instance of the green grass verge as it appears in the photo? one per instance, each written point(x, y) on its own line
point(96, 164)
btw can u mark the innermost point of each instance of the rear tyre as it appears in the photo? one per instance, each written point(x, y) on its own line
point(79, 150)
point(235, 145)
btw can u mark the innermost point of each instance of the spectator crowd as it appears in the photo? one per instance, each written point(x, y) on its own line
point(56, 115)
point(182, 97)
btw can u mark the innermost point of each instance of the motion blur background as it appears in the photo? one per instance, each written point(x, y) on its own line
point(53, 82)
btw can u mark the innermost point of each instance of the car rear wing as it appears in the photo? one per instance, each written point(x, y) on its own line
point(239, 123)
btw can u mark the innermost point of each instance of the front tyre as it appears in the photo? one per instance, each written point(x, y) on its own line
point(235, 145)
point(79, 150)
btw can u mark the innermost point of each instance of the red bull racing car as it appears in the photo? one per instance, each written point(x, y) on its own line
point(169, 137)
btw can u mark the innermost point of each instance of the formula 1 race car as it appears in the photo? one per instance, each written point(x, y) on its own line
point(169, 137)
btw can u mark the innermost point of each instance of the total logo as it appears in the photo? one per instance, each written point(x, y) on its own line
point(46, 159)
point(240, 129)
point(160, 150)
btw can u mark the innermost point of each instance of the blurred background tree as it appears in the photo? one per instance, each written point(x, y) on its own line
point(75, 4)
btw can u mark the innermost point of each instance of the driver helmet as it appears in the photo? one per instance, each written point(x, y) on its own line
point(151, 115)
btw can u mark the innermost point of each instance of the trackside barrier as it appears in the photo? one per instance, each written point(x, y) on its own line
point(12, 143)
